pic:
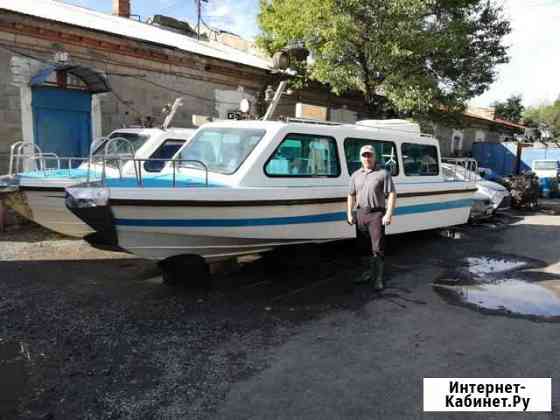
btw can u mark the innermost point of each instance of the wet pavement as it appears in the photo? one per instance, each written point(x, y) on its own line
point(502, 285)
point(281, 337)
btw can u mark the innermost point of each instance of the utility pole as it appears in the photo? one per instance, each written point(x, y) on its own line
point(199, 11)
point(199, 16)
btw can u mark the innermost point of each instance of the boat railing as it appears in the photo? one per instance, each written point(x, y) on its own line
point(119, 158)
point(169, 167)
point(42, 159)
point(27, 156)
point(175, 164)
point(49, 164)
point(20, 151)
point(464, 169)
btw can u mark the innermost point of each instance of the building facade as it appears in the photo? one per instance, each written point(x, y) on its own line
point(478, 126)
point(70, 74)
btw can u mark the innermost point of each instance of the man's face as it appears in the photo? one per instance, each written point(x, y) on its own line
point(368, 160)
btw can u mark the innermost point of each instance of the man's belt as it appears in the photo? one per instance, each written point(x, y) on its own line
point(372, 209)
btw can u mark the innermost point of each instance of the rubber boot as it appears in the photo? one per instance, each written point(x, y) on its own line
point(369, 273)
point(378, 276)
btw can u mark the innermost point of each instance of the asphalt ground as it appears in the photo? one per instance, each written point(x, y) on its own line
point(86, 334)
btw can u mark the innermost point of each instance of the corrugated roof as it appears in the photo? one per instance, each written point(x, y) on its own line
point(90, 19)
point(495, 120)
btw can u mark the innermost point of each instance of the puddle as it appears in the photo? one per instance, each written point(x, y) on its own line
point(510, 296)
point(490, 265)
point(501, 285)
point(13, 356)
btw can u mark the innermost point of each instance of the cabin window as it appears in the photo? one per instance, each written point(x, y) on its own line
point(222, 150)
point(304, 155)
point(120, 147)
point(385, 153)
point(165, 151)
point(546, 165)
point(420, 159)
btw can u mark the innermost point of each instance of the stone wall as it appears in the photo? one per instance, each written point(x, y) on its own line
point(10, 110)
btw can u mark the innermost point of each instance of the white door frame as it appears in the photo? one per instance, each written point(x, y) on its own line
point(27, 132)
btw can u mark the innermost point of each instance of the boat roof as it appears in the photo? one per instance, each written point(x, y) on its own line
point(370, 127)
point(154, 130)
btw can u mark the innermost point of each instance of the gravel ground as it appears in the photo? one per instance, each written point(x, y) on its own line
point(96, 335)
point(32, 242)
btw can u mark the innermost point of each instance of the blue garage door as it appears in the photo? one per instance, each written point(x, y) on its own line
point(62, 121)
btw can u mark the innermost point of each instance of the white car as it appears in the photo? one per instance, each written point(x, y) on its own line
point(490, 194)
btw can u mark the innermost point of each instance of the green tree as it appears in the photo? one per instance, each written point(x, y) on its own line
point(544, 116)
point(511, 109)
point(421, 55)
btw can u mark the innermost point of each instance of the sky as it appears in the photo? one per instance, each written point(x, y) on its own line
point(533, 70)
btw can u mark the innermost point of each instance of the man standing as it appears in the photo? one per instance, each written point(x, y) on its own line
point(372, 194)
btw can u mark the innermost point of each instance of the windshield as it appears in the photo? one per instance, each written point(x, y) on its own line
point(546, 165)
point(458, 172)
point(120, 147)
point(222, 150)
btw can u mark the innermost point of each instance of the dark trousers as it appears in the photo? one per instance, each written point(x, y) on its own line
point(371, 229)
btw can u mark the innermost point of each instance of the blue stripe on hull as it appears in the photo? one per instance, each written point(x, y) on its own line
point(425, 208)
point(276, 221)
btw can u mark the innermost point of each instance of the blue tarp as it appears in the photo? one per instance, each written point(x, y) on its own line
point(502, 157)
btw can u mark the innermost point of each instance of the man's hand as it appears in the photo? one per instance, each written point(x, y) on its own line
point(350, 219)
point(387, 219)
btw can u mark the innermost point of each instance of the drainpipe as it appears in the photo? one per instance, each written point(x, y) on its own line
point(2, 216)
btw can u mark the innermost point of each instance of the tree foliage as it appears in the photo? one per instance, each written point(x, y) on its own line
point(545, 116)
point(432, 54)
point(511, 109)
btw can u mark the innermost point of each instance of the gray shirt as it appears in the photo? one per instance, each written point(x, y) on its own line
point(371, 187)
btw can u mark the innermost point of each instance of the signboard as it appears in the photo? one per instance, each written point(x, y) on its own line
point(313, 112)
point(234, 115)
point(198, 120)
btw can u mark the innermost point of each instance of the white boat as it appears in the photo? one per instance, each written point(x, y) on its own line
point(244, 187)
point(35, 185)
point(489, 197)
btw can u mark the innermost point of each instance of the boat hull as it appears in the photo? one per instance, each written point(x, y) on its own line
point(165, 229)
point(46, 207)
point(221, 232)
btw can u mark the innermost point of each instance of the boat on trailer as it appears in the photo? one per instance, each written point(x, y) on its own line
point(245, 187)
point(34, 186)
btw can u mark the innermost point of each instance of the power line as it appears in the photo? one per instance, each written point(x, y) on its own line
point(142, 78)
point(180, 92)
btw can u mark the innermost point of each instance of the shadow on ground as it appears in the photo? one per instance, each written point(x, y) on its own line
point(105, 339)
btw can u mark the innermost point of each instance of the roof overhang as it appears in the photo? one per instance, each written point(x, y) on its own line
point(95, 82)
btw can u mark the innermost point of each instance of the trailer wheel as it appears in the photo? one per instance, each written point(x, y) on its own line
point(188, 270)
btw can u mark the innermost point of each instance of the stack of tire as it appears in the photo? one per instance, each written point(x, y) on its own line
point(525, 190)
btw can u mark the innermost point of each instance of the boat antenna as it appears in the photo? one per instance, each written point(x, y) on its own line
point(288, 56)
point(275, 100)
point(171, 110)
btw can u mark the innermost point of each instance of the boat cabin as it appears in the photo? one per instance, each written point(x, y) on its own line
point(297, 153)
